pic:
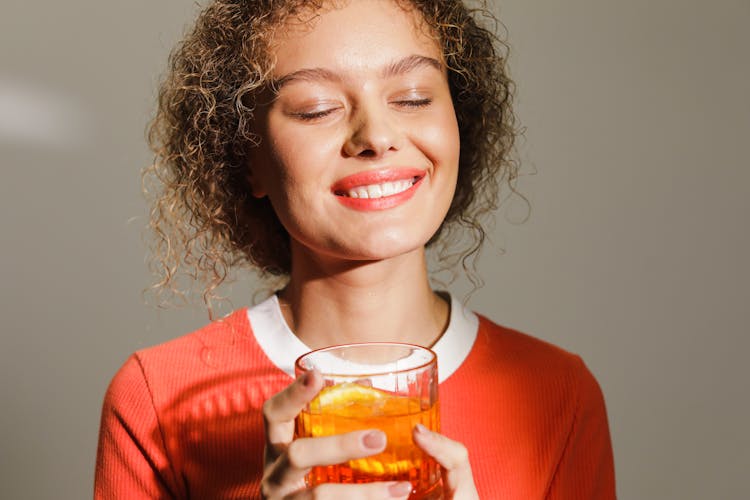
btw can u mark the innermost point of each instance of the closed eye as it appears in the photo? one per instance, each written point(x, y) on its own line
point(313, 115)
point(414, 103)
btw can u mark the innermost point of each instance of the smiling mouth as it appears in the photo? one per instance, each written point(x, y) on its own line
point(380, 190)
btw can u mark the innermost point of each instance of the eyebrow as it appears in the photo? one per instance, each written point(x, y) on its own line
point(400, 67)
point(411, 63)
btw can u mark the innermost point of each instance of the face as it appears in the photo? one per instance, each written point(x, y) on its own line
point(359, 147)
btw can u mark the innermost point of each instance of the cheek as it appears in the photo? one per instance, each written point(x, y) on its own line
point(283, 168)
point(303, 153)
point(297, 173)
point(441, 139)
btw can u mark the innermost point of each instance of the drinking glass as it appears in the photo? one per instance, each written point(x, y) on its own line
point(386, 386)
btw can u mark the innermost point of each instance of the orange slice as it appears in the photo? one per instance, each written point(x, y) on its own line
point(346, 394)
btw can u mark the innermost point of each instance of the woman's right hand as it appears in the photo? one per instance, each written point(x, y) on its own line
point(288, 460)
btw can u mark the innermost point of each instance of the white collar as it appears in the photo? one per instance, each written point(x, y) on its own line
point(282, 347)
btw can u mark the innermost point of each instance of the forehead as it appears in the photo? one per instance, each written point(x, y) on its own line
point(351, 36)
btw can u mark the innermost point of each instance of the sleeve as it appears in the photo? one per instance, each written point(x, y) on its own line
point(132, 460)
point(586, 467)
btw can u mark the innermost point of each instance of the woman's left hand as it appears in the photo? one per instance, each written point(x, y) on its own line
point(458, 481)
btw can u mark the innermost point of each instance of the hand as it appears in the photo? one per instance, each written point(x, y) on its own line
point(287, 461)
point(458, 481)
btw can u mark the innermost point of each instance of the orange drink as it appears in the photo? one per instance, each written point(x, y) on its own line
point(391, 387)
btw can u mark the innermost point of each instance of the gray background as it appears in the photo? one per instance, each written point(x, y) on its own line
point(635, 255)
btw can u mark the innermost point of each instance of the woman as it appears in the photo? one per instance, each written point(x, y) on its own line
point(331, 143)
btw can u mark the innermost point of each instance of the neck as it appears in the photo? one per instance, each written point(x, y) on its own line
point(328, 303)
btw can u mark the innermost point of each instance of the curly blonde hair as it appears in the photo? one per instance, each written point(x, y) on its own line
point(205, 220)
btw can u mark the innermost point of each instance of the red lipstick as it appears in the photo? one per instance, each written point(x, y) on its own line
point(350, 190)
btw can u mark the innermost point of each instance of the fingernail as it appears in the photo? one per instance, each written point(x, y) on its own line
point(374, 440)
point(399, 489)
point(422, 429)
point(306, 379)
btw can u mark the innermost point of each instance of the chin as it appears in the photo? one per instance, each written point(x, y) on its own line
point(389, 246)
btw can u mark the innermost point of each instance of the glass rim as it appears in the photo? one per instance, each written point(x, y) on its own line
point(432, 360)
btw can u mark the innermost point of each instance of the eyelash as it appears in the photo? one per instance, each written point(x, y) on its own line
point(415, 103)
point(314, 115)
point(408, 103)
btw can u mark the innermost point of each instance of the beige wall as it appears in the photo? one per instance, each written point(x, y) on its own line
point(635, 255)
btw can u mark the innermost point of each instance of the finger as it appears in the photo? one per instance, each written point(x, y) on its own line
point(369, 491)
point(452, 456)
point(286, 404)
point(305, 453)
point(280, 410)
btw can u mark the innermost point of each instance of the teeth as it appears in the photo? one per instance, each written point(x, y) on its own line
point(374, 191)
point(380, 190)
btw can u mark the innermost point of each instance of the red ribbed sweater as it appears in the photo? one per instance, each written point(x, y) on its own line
point(182, 420)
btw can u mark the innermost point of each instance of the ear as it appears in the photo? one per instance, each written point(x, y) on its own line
point(256, 188)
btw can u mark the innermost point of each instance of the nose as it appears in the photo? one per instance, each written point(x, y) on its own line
point(373, 133)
